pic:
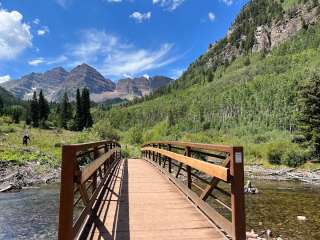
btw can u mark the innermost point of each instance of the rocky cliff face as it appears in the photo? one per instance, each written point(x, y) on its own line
point(142, 86)
point(57, 81)
point(298, 18)
point(49, 81)
point(84, 76)
point(274, 31)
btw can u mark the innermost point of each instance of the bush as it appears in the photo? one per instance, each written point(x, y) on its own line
point(294, 157)
point(260, 139)
point(206, 126)
point(160, 131)
point(299, 139)
point(246, 61)
point(135, 135)
point(105, 131)
point(71, 125)
point(275, 153)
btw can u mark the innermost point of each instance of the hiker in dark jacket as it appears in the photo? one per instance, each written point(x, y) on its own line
point(25, 139)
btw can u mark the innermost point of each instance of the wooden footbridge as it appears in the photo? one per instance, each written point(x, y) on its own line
point(176, 190)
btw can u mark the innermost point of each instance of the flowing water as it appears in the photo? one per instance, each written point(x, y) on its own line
point(29, 214)
point(277, 206)
point(33, 214)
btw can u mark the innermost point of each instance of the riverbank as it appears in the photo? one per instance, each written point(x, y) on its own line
point(15, 177)
point(283, 174)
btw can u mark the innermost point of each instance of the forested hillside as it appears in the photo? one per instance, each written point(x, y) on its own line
point(6, 97)
point(250, 100)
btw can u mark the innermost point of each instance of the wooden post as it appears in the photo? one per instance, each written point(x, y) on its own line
point(237, 194)
point(169, 159)
point(188, 153)
point(159, 156)
point(66, 193)
point(105, 164)
point(95, 175)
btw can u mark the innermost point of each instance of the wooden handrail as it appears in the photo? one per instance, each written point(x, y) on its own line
point(74, 176)
point(161, 154)
point(89, 170)
point(85, 146)
point(210, 169)
point(203, 146)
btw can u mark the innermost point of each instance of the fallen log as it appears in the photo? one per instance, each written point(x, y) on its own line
point(6, 188)
point(6, 178)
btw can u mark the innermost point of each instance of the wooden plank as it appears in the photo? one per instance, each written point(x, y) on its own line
point(214, 183)
point(89, 170)
point(210, 169)
point(148, 206)
point(84, 214)
point(212, 214)
point(86, 146)
point(212, 147)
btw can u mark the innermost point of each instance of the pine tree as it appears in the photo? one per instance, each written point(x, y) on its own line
point(34, 110)
point(44, 109)
point(65, 111)
point(1, 105)
point(309, 118)
point(85, 99)
point(28, 114)
point(79, 118)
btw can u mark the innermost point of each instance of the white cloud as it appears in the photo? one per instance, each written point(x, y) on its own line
point(211, 16)
point(227, 2)
point(15, 35)
point(177, 73)
point(140, 17)
point(115, 58)
point(36, 21)
point(36, 62)
point(146, 76)
point(5, 78)
point(58, 60)
point(170, 5)
point(114, 1)
point(44, 30)
point(63, 3)
point(127, 76)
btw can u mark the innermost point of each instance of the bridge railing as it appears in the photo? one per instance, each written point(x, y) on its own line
point(212, 173)
point(85, 169)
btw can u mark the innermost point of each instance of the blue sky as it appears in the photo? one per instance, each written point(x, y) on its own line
point(118, 37)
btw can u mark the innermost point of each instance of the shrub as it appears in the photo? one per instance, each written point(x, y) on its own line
point(260, 139)
point(71, 125)
point(206, 126)
point(294, 157)
point(135, 135)
point(104, 130)
point(246, 61)
point(275, 153)
point(298, 139)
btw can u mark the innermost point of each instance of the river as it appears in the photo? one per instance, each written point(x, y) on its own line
point(32, 214)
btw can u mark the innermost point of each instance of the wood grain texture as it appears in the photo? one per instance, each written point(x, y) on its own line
point(141, 203)
point(205, 167)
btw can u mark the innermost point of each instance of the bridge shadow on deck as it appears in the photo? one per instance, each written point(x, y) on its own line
point(109, 218)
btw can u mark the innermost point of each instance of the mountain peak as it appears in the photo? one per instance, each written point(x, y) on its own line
point(55, 82)
point(57, 69)
point(84, 66)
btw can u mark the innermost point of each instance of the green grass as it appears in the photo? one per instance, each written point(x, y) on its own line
point(44, 147)
point(287, 4)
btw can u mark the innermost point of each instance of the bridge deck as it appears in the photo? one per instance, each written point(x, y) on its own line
point(141, 203)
